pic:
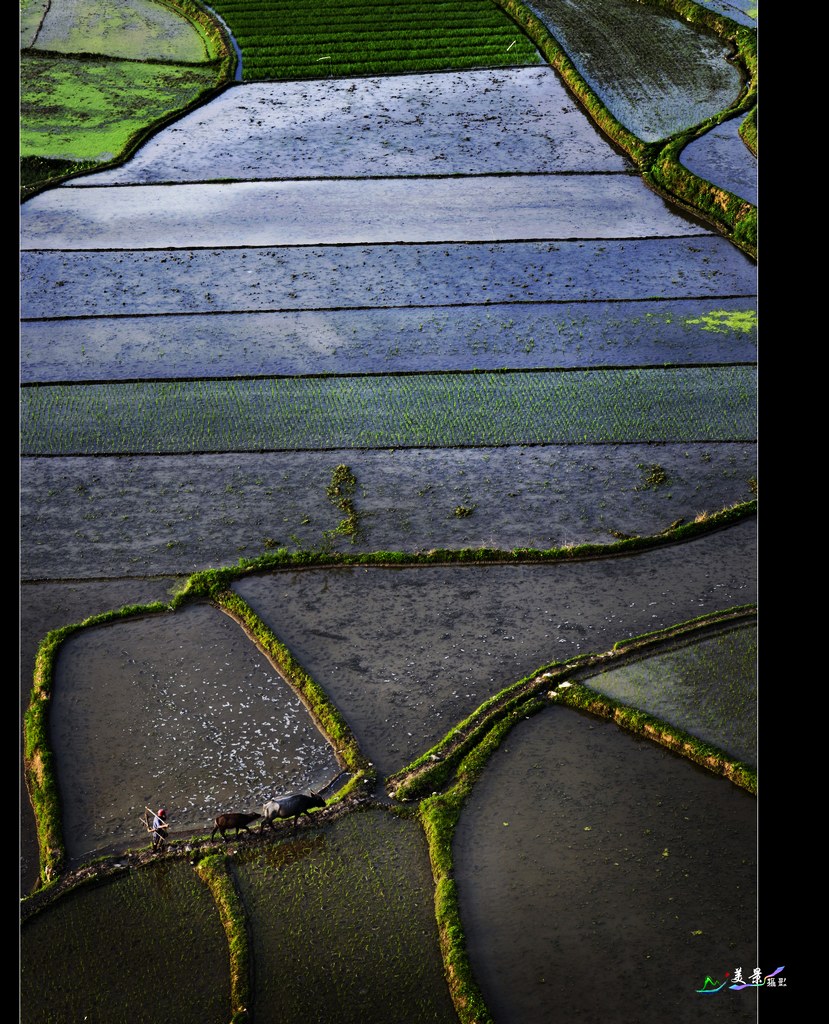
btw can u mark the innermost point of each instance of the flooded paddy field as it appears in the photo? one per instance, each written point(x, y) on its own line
point(619, 875)
point(108, 952)
point(417, 275)
point(708, 688)
point(721, 156)
point(519, 336)
point(654, 72)
point(510, 121)
point(169, 705)
point(181, 709)
point(44, 606)
point(123, 516)
point(343, 925)
point(368, 211)
point(744, 12)
point(424, 410)
point(407, 653)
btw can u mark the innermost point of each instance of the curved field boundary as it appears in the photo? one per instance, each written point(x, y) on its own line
point(41, 173)
point(213, 585)
point(659, 162)
point(440, 812)
point(438, 766)
point(465, 760)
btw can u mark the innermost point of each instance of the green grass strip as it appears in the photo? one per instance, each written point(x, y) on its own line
point(422, 410)
point(214, 873)
point(439, 816)
point(92, 112)
point(307, 689)
point(38, 759)
point(439, 813)
point(666, 735)
point(436, 768)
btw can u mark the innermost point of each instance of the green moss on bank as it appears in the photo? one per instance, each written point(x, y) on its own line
point(88, 111)
point(213, 872)
point(658, 162)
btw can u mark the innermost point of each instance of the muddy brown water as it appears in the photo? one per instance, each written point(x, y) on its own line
point(602, 878)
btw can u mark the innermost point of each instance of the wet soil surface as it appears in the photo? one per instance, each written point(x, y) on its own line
point(721, 157)
point(180, 710)
point(396, 210)
point(403, 658)
point(508, 335)
point(113, 516)
point(417, 275)
point(708, 688)
point(407, 653)
point(610, 894)
point(47, 606)
point(518, 120)
point(654, 72)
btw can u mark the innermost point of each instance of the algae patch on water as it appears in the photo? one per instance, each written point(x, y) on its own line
point(724, 321)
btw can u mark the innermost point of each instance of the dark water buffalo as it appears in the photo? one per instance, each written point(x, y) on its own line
point(237, 821)
point(290, 807)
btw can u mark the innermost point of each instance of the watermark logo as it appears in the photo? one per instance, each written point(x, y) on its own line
point(737, 983)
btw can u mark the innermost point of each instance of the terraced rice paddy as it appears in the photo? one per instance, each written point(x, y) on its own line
point(343, 925)
point(121, 941)
point(609, 889)
point(449, 293)
point(708, 688)
point(665, 75)
point(446, 410)
point(293, 39)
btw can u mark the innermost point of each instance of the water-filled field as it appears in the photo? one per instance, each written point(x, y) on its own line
point(452, 287)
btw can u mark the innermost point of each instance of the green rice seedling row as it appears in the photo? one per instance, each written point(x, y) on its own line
point(708, 688)
point(319, 38)
point(125, 944)
point(599, 406)
point(328, 912)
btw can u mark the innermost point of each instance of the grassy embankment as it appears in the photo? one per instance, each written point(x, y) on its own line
point(301, 42)
point(658, 162)
point(82, 111)
point(461, 757)
point(214, 585)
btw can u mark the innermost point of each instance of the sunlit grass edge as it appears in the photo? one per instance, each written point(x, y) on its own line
point(658, 162)
point(38, 173)
point(214, 585)
point(214, 873)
